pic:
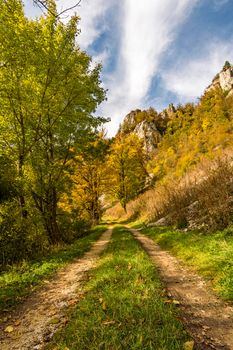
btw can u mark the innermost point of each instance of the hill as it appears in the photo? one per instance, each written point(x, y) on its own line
point(188, 158)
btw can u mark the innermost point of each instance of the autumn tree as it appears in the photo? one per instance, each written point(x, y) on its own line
point(48, 96)
point(89, 180)
point(126, 168)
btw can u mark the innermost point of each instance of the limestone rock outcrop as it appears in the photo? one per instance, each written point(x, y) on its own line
point(224, 80)
point(147, 131)
point(148, 125)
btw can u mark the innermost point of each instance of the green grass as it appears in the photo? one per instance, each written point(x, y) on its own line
point(211, 255)
point(19, 280)
point(123, 307)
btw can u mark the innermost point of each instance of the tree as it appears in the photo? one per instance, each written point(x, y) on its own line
point(19, 119)
point(126, 168)
point(48, 96)
point(227, 65)
point(89, 181)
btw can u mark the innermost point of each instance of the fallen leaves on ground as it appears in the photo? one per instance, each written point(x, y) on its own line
point(189, 345)
point(104, 306)
point(172, 301)
point(9, 329)
point(106, 323)
point(54, 321)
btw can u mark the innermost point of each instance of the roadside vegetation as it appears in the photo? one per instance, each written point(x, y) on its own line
point(124, 305)
point(202, 199)
point(48, 132)
point(19, 280)
point(211, 255)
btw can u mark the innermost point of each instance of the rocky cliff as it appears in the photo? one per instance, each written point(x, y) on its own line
point(223, 79)
point(147, 125)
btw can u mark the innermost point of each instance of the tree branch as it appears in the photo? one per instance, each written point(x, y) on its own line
point(43, 3)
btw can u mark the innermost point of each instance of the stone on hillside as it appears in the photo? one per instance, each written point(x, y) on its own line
point(161, 222)
point(150, 134)
point(224, 80)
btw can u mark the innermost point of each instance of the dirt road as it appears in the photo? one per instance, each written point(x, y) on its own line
point(208, 319)
point(35, 321)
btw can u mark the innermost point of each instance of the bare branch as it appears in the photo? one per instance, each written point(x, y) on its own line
point(70, 8)
point(43, 4)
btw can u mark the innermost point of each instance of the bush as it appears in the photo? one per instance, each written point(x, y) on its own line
point(20, 238)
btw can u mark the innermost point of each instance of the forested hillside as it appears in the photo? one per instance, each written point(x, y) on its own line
point(186, 156)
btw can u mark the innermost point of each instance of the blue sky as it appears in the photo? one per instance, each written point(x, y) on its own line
point(153, 52)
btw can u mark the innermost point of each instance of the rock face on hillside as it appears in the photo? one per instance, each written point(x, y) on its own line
point(224, 79)
point(148, 125)
point(147, 131)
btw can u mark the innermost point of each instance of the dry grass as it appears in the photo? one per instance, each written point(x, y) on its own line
point(201, 199)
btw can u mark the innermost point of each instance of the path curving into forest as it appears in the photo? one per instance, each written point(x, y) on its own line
point(37, 319)
point(208, 319)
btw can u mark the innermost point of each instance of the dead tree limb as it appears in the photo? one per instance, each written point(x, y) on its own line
point(43, 5)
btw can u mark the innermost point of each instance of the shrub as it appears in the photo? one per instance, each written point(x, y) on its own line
point(20, 238)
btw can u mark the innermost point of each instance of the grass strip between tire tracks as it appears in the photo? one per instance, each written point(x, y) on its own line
point(124, 305)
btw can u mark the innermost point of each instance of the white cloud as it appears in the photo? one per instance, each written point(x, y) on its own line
point(102, 57)
point(147, 29)
point(188, 78)
point(92, 13)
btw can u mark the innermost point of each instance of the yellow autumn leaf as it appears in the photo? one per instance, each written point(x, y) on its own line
point(9, 329)
point(189, 345)
point(54, 321)
point(106, 323)
point(104, 306)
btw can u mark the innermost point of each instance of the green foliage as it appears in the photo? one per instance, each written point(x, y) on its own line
point(48, 95)
point(124, 306)
point(227, 65)
point(20, 238)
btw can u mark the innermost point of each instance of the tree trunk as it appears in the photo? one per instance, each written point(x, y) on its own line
point(22, 202)
point(51, 224)
point(48, 208)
